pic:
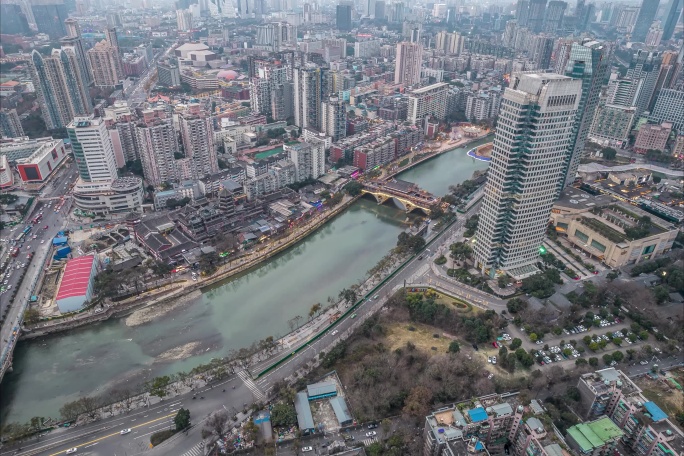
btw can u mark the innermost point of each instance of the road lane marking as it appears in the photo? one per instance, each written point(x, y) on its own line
point(113, 434)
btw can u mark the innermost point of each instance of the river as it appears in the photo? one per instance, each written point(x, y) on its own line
point(51, 371)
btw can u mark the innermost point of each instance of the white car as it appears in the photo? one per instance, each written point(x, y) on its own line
point(306, 449)
point(71, 450)
point(334, 332)
point(42, 241)
point(125, 431)
point(371, 434)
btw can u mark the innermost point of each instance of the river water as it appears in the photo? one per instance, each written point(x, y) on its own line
point(51, 371)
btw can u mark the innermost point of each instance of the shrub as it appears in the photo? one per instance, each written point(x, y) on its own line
point(159, 437)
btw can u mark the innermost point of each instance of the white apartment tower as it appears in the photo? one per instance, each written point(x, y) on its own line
point(408, 63)
point(308, 96)
point(184, 20)
point(157, 146)
point(197, 134)
point(93, 149)
point(309, 159)
point(334, 121)
point(534, 132)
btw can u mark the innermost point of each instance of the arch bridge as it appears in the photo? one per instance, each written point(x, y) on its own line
point(406, 195)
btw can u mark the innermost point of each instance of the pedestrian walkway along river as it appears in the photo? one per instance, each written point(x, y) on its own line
point(51, 371)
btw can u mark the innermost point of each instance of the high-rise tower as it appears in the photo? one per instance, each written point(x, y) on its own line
point(62, 94)
point(105, 64)
point(334, 122)
point(537, 13)
point(309, 89)
point(553, 20)
point(408, 63)
point(588, 62)
point(74, 41)
point(532, 138)
point(672, 13)
point(197, 134)
point(647, 13)
point(344, 17)
point(157, 146)
point(93, 149)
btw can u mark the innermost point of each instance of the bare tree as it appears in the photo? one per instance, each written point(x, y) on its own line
point(216, 424)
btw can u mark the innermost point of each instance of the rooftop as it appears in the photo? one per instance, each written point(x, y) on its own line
point(76, 277)
point(595, 434)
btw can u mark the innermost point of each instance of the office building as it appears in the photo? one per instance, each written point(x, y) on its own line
point(343, 17)
point(588, 62)
point(408, 63)
point(673, 13)
point(45, 159)
point(92, 148)
point(13, 20)
point(309, 159)
point(643, 71)
point(157, 147)
point(334, 121)
point(540, 50)
point(537, 12)
point(168, 74)
point(429, 101)
point(367, 48)
point(527, 167)
point(197, 135)
point(74, 41)
point(50, 16)
point(668, 108)
point(647, 13)
point(10, 125)
point(309, 88)
point(553, 20)
point(184, 20)
point(105, 64)
point(60, 90)
point(522, 12)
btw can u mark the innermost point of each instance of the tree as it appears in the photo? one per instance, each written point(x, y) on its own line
point(534, 337)
point(353, 188)
point(593, 361)
point(135, 167)
point(314, 310)
point(8, 198)
point(643, 335)
point(410, 243)
point(454, 347)
point(503, 281)
point(216, 424)
point(283, 414)
point(182, 419)
point(418, 402)
point(607, 358)
point(516, 305)
point(662, 294)
point(609, 153)
point(31, 316)
point(618, 356)
point(158, 386)
point(516, 344)
point(70, 410)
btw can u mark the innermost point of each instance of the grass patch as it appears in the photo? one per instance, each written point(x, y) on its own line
point(403, 163)
point(422, 336)
point(451, 302)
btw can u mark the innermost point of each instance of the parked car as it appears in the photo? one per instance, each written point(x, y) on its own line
point(125, 431)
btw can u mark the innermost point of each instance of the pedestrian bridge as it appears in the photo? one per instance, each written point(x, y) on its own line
point(405, 195)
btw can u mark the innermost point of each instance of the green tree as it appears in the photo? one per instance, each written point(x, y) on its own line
point(31, 316)
point(454, 347)
point(534, 337)
point(353, 188)
point(607, 358)
point(283, 414)
point(618, 356)
point(503, 281)
point(662, 294)
point(516, 344)
point(609, 153)
point(314, 310)
point(643, 335)
point(516, 305)
point(158, 386)
point(593, 361)
point(182, 419)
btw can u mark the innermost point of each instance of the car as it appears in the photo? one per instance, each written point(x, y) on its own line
point(45, 227)
point(372, 426)
point(353, 316)
point(42, 241)
point(71, 451)
point(371, 434)
point(125, 431)
point(375, 297)
point(489, 359)
point(493, 359)
point(420, 257)
point(643, 363)
point(306, 449)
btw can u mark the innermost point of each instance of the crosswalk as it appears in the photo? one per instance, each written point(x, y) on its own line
point(197, 450)
point(369, 442)
point(247, 380)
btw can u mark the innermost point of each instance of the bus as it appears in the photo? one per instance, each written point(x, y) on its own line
point(27, 230)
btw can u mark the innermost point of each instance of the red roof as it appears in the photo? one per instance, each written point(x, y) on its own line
point(76, 277)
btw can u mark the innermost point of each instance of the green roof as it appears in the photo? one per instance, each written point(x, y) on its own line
point(594, 434)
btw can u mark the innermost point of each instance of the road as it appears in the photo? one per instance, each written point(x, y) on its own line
point(39, 242)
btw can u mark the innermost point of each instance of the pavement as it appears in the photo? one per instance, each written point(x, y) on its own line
point(55, 222)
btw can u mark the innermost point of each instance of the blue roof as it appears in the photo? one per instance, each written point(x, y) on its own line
point(341, 411)
point(59, 240)
point(479, 446)
point(304, 417)
point(656, 413)
point(477, 415)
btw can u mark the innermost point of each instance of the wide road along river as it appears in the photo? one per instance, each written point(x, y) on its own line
point(51, 371)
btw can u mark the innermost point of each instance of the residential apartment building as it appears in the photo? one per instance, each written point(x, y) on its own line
point(74, 41)
point(367, 48)
point(308, 158)
point(334, 120)
point(106, 64)
point(10, 125)
point(652, 136)
point(596, 438)
point(645, 428)
point(612, 124)
point(428, 101)
point(375, 153)
point(60, 89)
point(158, 146)
point(526, 170)
point(279, 175)
point(309, 88)
point(197, 135)
point(409, 60)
